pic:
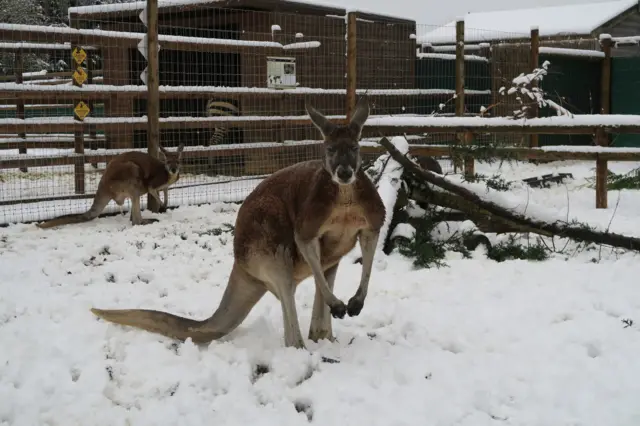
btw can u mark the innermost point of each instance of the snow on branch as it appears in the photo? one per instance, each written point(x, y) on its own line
point(523, 87)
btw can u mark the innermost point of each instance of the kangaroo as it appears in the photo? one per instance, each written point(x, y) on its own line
point(298, 222)
point(130, 175)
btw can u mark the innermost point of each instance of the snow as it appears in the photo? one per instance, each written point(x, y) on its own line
point(571, 52)
point(403, 230)
point(626, 40)
point(130, 6)
point(225, 89)
point(275, 28)
point(389, 184)
point(162, 38)
point(510, 24)
point(302, 45)
point(451, 57)
point(452, 48)
point(27, 46)
point(611, 120)
point(476, 343)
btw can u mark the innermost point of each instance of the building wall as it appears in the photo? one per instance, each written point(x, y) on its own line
point(626, 26)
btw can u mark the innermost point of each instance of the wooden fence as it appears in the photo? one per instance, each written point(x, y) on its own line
point(87, 129)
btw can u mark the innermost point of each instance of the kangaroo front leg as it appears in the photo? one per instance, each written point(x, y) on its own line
point(311, 252)
point(320, 327)
point(368, 242)
point(165, 192)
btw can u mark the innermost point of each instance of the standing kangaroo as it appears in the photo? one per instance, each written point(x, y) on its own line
point(130, 175)
point(298, 222)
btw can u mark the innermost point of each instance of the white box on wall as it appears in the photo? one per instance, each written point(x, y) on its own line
point(281, 72)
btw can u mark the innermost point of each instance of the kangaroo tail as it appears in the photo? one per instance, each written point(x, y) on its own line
point(164, 323)
point(99, 203)
point(240, 296)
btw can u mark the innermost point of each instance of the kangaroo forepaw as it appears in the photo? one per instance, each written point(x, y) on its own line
point(355, 306)
point(338, 310)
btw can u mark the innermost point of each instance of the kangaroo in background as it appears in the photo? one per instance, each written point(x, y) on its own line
point(298, 222)
point(130, 175)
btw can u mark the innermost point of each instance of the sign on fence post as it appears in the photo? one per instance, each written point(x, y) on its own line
point(80, 111)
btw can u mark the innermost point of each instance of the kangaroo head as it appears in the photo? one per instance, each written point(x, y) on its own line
point(171, 160)
point(341, 148)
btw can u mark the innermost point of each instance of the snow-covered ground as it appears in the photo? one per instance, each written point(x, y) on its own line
point(475, 343)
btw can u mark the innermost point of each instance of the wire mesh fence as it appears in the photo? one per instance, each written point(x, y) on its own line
point(233, 86)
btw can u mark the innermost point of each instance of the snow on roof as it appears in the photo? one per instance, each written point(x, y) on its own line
point(139, 5)
point(579, 19)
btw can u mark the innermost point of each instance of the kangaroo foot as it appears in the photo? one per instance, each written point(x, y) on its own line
point(338, 310)
point(355, 306)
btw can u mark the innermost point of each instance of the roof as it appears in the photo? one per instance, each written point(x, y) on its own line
point(311, 7)
point(578, 19)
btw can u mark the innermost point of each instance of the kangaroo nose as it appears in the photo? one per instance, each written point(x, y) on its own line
point(344, 174)
point(173, 170)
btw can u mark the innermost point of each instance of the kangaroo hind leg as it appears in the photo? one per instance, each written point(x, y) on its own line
point(136, 213)
point(278, 277)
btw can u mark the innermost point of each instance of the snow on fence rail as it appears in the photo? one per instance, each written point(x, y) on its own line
point(43, 34)
point(577, 124)
point(100, 91)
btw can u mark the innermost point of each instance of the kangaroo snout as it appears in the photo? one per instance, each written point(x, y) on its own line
point(344, 175)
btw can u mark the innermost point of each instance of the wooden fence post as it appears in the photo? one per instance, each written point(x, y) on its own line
point(80, 111)
point(153, 88)
point(602, 139)
point(93, 135)
point(533, 64)
point(19, 67)
point(352, 42)
point(467, 137)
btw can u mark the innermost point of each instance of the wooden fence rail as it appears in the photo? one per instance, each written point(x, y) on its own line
point(41, 38)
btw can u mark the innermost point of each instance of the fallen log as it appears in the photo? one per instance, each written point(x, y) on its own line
point(475, 204)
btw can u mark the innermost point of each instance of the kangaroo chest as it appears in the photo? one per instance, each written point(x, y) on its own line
point(172, 178)
point(338, 234)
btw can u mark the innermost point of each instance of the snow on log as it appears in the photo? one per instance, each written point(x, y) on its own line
point(389, 184)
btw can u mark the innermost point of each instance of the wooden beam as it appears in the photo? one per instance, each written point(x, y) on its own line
point(533, 64)
point(270, 149)
point(153, 84)
point(602, 138)
point(139, 123)
point(44, 34)
point(352, 44)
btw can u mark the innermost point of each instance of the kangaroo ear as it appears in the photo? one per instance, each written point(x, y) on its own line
point(359, 117)
point(179, 150)
point(162, 153)
point(320, 121)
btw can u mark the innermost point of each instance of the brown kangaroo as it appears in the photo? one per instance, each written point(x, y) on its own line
point(130, 175)
point(298, 222)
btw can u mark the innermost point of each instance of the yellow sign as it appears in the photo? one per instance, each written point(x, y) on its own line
point(79, 55)
point(80, 76)
point(81, 110)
